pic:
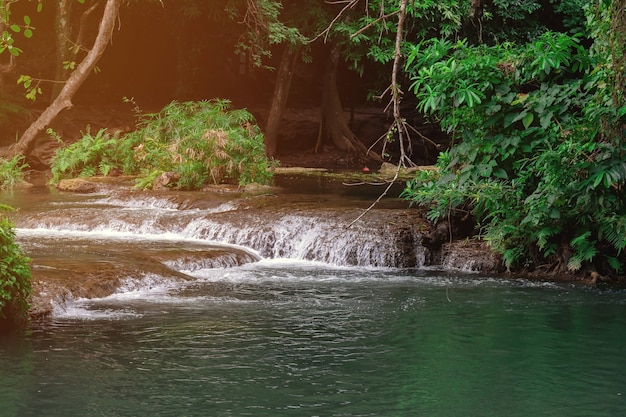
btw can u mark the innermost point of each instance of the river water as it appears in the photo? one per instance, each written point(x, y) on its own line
point(274, 331)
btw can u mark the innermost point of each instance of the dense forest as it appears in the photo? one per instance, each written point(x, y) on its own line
point(529, 96)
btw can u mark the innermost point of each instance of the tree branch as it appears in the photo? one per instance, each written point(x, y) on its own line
point(350, 4)
point(369, 25)
point(63, 101)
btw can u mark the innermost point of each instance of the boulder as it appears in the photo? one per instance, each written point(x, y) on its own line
point(166, 181)
point(77, 185)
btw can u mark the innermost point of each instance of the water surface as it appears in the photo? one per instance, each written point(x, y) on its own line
point(303, 339)
point(273, 306)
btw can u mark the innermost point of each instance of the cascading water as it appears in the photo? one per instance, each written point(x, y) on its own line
point(196, 304)
point(118, 234)
point(317, 234)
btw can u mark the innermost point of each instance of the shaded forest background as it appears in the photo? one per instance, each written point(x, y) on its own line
point(159, 53)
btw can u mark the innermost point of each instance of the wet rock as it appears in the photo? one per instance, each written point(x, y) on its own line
point(255, 188)
point(468, 256)
point(77, 185)
point(166, 181)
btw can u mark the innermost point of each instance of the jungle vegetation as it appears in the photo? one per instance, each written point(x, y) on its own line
point(531, 94)
point(14, 276)
point(538, 125)
point(196, 143)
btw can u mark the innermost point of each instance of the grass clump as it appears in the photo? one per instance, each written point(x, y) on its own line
point(200, 142)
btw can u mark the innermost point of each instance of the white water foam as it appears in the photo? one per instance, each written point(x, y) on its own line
point(81, 309)
point(128, 236)
point(149, 287)
point(154, 203)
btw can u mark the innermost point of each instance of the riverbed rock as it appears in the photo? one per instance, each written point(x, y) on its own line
point(77, 185)
point(470, 255)
point(166, 180)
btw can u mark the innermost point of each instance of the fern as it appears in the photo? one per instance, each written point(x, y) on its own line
point(200, 140)
point(585, 251)
point(613, 230)
point(12, 171)
point(614, 264)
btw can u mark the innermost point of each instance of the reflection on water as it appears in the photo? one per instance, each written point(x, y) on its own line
point(303, 339)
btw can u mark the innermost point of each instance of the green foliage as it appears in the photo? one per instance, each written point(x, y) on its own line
point(11, 27)
point(14, 273)
point(425, 19)
point(202, 142)
point(523, 21)
point(92, 155)
point(11, 171)
point(535, 159)
point(264, 28)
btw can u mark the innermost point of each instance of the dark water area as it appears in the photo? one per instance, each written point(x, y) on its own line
point(267, 305)
point(290, 339)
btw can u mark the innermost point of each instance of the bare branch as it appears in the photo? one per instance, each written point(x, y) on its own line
point(380, 197)
point(350, 4)
point(396, 93)
point(64, 100)
point(369, 25)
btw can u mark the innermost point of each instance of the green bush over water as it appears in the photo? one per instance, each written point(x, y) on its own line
point(11, 171)
point(202, 142)
point(539, 155)
point(14, 274)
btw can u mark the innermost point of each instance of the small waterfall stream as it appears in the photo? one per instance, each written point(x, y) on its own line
point(91, 245)
point(274, 228)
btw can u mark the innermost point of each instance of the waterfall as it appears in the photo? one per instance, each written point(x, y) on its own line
point(383, 238)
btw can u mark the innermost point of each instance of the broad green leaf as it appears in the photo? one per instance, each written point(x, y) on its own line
point(597, 179)
point(500, 173)
point(473, 98)
point(527, 120)
point(510, 118)
point(545, 120)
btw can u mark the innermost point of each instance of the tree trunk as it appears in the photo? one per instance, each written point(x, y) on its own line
point(334, 123)
point(68, 45)
point(618, 51)
point(63, 32)
point(63, 101)
point(279, 99)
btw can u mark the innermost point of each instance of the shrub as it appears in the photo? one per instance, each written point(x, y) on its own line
point(92, 155)
point(536, 161)
point(203, 142)
point(11, 171)
point(14, 274)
